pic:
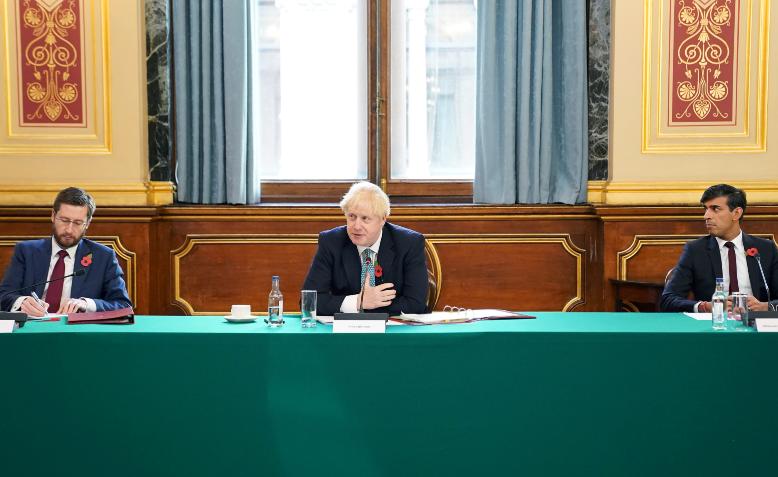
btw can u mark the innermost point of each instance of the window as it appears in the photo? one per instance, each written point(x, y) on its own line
point(376, 90)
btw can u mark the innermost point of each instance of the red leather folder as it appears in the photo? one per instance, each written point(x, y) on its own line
point(123, 316)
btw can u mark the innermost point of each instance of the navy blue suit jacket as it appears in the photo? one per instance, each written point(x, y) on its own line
point(700, 265)
point(336, 269)
point(103, 281)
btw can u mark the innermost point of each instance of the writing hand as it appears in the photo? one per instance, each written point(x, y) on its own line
point(33, 307)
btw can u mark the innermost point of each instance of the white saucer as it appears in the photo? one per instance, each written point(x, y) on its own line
point(240, 319)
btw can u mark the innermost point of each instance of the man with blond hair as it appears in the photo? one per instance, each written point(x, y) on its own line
point(368, 264)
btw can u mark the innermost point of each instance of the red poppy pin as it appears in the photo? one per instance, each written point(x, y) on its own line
point(87, 260)
point(378, 270)
point(752, 252)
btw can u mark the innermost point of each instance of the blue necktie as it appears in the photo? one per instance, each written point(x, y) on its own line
point(368, 267)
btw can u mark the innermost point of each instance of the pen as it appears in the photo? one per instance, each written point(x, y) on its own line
point(40, 302)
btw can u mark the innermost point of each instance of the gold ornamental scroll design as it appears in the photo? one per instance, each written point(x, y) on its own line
point(702, 53)
point(51, 54)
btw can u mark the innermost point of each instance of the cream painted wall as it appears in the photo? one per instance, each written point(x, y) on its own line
point(637, 177)
point(109, 156)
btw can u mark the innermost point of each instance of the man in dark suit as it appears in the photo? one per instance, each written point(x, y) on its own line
point(727, 253)
point(384, 260)
point(99, 287)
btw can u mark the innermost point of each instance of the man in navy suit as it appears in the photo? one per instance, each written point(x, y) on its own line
point(99, 287)
point(389, 257)
point(726, 253)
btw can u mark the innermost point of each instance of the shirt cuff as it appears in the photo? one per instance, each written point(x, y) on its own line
point(18, 303)
point(349, 304)
point(91, 306)
point(697, 306)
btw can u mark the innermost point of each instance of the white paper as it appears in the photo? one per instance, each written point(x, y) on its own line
point(699, 316)
point(456, 316)
point(767, 325)
point(7, 326)
point(47, 316)
point(327, 320)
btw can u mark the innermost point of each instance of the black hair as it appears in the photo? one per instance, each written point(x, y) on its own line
point(735, 197)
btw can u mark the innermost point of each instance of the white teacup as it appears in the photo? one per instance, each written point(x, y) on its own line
point(240, 311)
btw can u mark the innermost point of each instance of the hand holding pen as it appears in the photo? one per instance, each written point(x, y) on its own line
point(34, 306)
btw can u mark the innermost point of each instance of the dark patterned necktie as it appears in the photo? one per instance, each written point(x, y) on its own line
point(368, 267)
point(733, 285)
point(54, 294)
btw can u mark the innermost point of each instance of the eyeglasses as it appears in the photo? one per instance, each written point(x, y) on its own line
point(67, 222)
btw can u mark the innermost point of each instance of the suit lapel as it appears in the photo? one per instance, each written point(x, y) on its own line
point(351, 264)
point(386, 257)
point(714, 255)
point(757, 286)
point(77, 283)
point(42, 263)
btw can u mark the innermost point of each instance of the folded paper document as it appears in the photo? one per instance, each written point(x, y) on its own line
point(123, 316)
point(459, 316)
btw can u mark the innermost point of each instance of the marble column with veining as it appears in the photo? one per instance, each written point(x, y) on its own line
point(158, 89)
point(599, 77)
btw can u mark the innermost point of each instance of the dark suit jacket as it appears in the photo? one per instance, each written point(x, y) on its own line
point(700, 265)
point(103, 281)
point(336, 269)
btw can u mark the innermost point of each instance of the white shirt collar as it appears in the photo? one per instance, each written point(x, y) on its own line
point(738, 241)
point(55, 248)
point(373, 247)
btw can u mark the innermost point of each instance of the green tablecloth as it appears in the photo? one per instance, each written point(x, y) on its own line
point(566, 394)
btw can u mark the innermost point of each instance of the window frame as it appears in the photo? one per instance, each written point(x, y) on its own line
point(379, 138)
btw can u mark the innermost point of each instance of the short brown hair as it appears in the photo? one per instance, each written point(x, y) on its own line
point(77, 197)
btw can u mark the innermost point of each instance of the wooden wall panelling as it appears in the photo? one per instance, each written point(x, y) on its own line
point(643, 243)
point(512, 271)
point(212, 272)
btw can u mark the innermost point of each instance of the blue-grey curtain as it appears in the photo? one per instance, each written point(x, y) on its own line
point(531, 103)
point(212, 63)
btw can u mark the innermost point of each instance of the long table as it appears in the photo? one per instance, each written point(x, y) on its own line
point(606, 394)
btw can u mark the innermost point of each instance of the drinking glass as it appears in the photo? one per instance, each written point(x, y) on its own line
point(739, 312)
point(308, 308)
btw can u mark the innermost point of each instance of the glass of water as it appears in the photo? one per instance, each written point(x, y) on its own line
point(739, 312)
point(308, 308)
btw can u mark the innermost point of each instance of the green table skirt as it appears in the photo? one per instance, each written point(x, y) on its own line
point(565, 394)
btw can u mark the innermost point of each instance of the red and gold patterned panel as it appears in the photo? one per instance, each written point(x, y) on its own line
point(705, 76)
point(703, 56)
point(50, 56)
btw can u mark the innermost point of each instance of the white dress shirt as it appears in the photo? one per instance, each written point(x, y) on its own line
point(349, 304)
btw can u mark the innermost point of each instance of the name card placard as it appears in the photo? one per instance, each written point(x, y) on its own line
point(359, 323)
point(7, 326)
point(767, 325)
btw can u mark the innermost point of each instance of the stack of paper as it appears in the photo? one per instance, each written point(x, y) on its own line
point(464, 316)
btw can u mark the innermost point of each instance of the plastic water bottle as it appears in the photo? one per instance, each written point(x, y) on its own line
point(275, 305)
point(719, 302)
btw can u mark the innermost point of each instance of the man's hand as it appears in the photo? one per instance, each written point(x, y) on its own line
point(378, 296)
point(704, 307)
point(756, 305)
point(33, 307)
point(73, 305)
